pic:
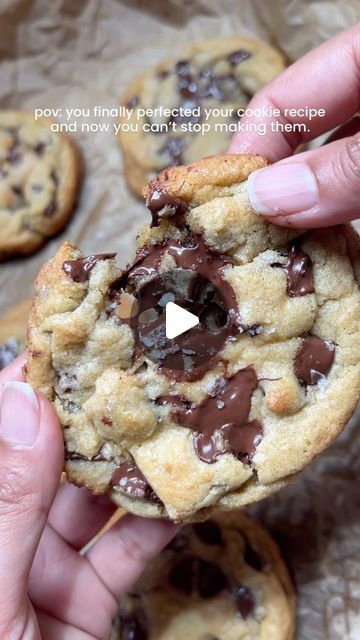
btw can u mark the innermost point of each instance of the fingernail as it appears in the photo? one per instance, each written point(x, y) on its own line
point(19, 414)
point(283, 188)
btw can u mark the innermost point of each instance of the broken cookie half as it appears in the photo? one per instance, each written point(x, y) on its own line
point(230, 410)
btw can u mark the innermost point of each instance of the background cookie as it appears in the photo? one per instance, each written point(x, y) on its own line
point(262, 393)
point(13, 326)
point(223, 578)
point(39, 182)
point(223, 73)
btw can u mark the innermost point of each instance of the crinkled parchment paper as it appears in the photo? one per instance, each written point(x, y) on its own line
point(82, 53)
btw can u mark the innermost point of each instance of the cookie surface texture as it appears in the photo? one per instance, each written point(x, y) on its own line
point(40, 175)
point(221, 579)
point(210, 81)
point(231, 410)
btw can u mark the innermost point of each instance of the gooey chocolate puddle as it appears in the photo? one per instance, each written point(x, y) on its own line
point(197, 284)
point(220, 422)
point(193, 575)
point(313, 359)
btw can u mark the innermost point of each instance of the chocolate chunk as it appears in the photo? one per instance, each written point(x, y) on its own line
point(208, 532)
point(198, 285)
point(245, 601)
point(221, 422)
point(128, 479)
point(132, 102)
point(299, 273)
point(51, 208)
point(158, 200)
point(18, 190)
point(174, 147)
point(79, 270)
point(14, 155)
point(75, 455)
point(40, 148)
point(239, 56)
point(134, 626)
point(9, 350)
point(193, 575)
point(253, 558)
point(313, 359)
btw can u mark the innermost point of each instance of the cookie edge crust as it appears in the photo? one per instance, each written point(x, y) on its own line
point(69, 192)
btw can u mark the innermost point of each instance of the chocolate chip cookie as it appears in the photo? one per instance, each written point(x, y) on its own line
point(39, 181)
point(222, 579)
point(231, 410)
point(204, 87)
point(13, 332)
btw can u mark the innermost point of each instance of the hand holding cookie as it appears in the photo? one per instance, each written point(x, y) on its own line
point(50, 586)
point(320, 187)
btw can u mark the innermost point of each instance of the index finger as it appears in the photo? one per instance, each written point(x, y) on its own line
point(327, 78)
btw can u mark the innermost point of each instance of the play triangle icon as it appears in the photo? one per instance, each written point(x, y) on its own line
point(178, 320)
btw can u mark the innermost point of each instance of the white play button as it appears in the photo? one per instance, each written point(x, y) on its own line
point(178, 320)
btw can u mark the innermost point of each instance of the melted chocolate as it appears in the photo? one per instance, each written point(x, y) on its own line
point(245, 601)
point(159, 199)
point(313, 359)
point(79, 270)
point(134, 626)
point(299, 273)
point(128, 479)
point(221, 422)
point(196, 284)
point(208, 532)
point(193, 575)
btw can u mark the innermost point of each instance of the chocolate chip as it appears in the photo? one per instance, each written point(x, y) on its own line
point(158, 200)
point(79, 270)
point(208, 532)
point(239, 56)
point(299, 272)
point(313, 359)
point(51, 208)
point(132, 102)
point(134, 626)
point(40, 148)
point(18, 190)
point(174, 148)
point(14, 155)
point(245, 601)
point(195, 575)
point(128, 479)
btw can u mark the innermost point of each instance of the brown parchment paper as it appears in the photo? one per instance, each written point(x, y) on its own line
point(82, 53)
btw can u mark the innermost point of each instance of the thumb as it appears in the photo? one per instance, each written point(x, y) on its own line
point(313, 189)
point(31, 457)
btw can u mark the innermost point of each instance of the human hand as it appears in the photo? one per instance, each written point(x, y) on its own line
point(319, 187)
point(48, 589)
